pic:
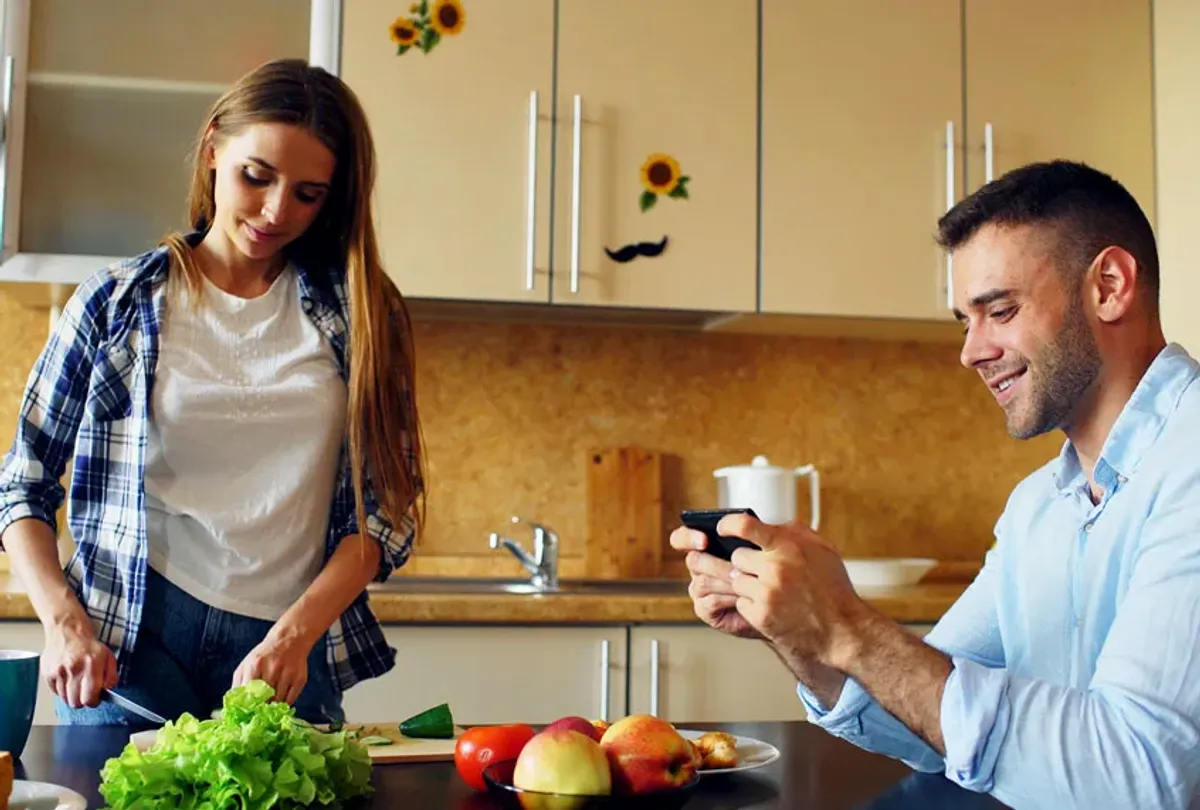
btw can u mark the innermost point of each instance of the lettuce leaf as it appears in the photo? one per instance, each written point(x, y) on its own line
point(254, 755)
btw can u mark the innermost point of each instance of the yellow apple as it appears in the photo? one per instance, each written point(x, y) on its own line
point(563, 761)
point(647, 754)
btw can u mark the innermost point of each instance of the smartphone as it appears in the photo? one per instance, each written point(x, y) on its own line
point(706, 520)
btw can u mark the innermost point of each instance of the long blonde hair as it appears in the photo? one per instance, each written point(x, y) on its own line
point(383, 430)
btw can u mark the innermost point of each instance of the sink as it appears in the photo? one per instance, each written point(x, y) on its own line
point(523, 587)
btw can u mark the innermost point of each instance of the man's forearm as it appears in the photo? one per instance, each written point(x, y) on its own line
point(904, 674)
point(824, 682)
point(349, 570)
point(33, 550)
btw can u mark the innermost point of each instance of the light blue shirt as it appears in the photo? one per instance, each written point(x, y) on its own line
point(1076, 680)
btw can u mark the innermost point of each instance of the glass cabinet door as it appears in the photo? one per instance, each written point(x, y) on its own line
point(114, 95)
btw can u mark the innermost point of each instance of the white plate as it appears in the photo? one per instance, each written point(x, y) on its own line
point(44, 796)
point(752, 753)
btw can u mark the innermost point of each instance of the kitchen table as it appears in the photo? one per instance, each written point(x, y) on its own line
point(814, 770)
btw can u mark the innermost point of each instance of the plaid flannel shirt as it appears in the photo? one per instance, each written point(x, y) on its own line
point(88, 399)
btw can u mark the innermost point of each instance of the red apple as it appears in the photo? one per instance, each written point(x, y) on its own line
point(584, 727)
point(647, 754)
point(601, 726)
point(563, 761)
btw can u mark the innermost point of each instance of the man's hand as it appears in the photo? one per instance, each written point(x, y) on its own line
point(76, 666)
point(795, 591)
point(711, 590)
point(281, 660)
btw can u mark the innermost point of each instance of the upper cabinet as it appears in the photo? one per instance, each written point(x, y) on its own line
point(860, 103)
point(102, 104)
point(656, 154)
point(857, 103)
point(635, 185)
point(460, 103)
point(1070, 79)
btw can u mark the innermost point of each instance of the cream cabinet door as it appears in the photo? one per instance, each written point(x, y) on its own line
point(27, 635)
point(462, 136)
point(859, 98)
point(1067, 79)
point(692, 674)
point(656, 150)
point(497, 674)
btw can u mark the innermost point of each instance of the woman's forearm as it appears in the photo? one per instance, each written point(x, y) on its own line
point(33, 550)
point(344, 577)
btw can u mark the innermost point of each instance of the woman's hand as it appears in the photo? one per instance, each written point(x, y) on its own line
point(76, 666)
point(279, 660)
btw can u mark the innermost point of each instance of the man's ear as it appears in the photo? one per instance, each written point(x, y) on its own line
point(1114, 281)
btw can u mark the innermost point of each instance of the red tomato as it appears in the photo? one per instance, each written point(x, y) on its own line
point(481, 746)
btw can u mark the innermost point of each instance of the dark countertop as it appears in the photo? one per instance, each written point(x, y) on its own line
point(814, 771)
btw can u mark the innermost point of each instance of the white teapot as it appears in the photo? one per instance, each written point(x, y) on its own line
point(769, 490)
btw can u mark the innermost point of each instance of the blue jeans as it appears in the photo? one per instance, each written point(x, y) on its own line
point(184, 659)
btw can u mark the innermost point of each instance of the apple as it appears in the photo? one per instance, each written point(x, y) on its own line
point(563, 761)
point(647, 754)
point(601, 726)
point(579, 724)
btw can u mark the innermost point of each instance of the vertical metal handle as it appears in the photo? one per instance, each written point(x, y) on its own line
point(989, 154)
point(605, 678)
point(950, 199)
point(654, 677)
point(10, 67)
point(531, 191)
point(576, 164)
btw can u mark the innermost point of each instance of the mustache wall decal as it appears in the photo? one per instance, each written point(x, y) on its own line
point(632, 251)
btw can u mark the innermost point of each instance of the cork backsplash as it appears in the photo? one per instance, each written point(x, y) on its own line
point(912, 451)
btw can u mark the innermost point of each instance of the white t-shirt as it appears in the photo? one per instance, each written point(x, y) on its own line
point(247, 421)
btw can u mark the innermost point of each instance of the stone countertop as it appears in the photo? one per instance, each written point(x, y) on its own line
point(921, 604)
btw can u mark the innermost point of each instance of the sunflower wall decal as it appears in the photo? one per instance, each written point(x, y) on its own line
point(429, 23)
point(661, 175)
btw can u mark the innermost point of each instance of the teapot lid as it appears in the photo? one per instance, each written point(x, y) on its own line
point(758, 464)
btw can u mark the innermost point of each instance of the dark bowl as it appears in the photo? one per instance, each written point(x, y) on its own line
point(499, 776)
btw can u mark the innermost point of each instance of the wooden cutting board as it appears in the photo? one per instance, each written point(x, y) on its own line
point(403, 749)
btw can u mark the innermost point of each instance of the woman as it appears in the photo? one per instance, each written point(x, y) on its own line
point(239, 407)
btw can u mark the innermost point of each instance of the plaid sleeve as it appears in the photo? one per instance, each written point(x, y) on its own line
point(54, 399)
point(395, 538)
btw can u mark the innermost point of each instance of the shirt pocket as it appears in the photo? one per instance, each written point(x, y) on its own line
point(113, 374)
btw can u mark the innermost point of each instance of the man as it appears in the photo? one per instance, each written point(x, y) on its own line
point(1067, 675)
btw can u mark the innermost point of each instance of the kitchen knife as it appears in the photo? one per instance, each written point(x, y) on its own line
point(129, 705)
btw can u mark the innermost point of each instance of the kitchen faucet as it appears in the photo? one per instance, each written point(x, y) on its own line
point(543, 564)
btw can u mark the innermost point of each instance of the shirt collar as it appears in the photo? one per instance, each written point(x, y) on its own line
point(1139, 424)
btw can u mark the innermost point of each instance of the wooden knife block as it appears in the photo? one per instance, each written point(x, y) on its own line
point(626, 526)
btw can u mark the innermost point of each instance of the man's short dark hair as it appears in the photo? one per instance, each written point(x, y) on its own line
point(1087, 209)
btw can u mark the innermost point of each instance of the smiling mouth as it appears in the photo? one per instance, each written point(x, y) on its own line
point(1001, 387)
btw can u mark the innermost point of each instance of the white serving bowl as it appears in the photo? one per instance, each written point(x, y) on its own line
point(888, 572)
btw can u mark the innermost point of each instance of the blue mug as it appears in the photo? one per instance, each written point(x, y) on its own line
point(18, 696)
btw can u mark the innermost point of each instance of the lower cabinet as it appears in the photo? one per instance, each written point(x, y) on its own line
point(692, 674)
point(685, 673)
point(497, 674)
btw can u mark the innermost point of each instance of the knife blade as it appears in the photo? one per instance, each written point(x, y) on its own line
point(129, 705)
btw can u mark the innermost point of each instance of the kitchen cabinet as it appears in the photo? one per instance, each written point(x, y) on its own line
point(463, 135)
point(652, 94)
point(857, 101)
point(102, 103)
point(1070, 79)
point(497, 674)
point(860, 105)
point(492, 188)
point(693, 674)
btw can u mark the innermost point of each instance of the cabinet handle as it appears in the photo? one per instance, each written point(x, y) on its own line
point(605, 686)
point(950, 199)
point(577, 157)
point(654, 677)
point(989, 154)
point(531, 210)
point(10, 67)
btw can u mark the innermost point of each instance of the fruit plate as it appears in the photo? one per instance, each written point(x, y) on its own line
point(44, 796)
point(752, 753)
point(499, 776)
